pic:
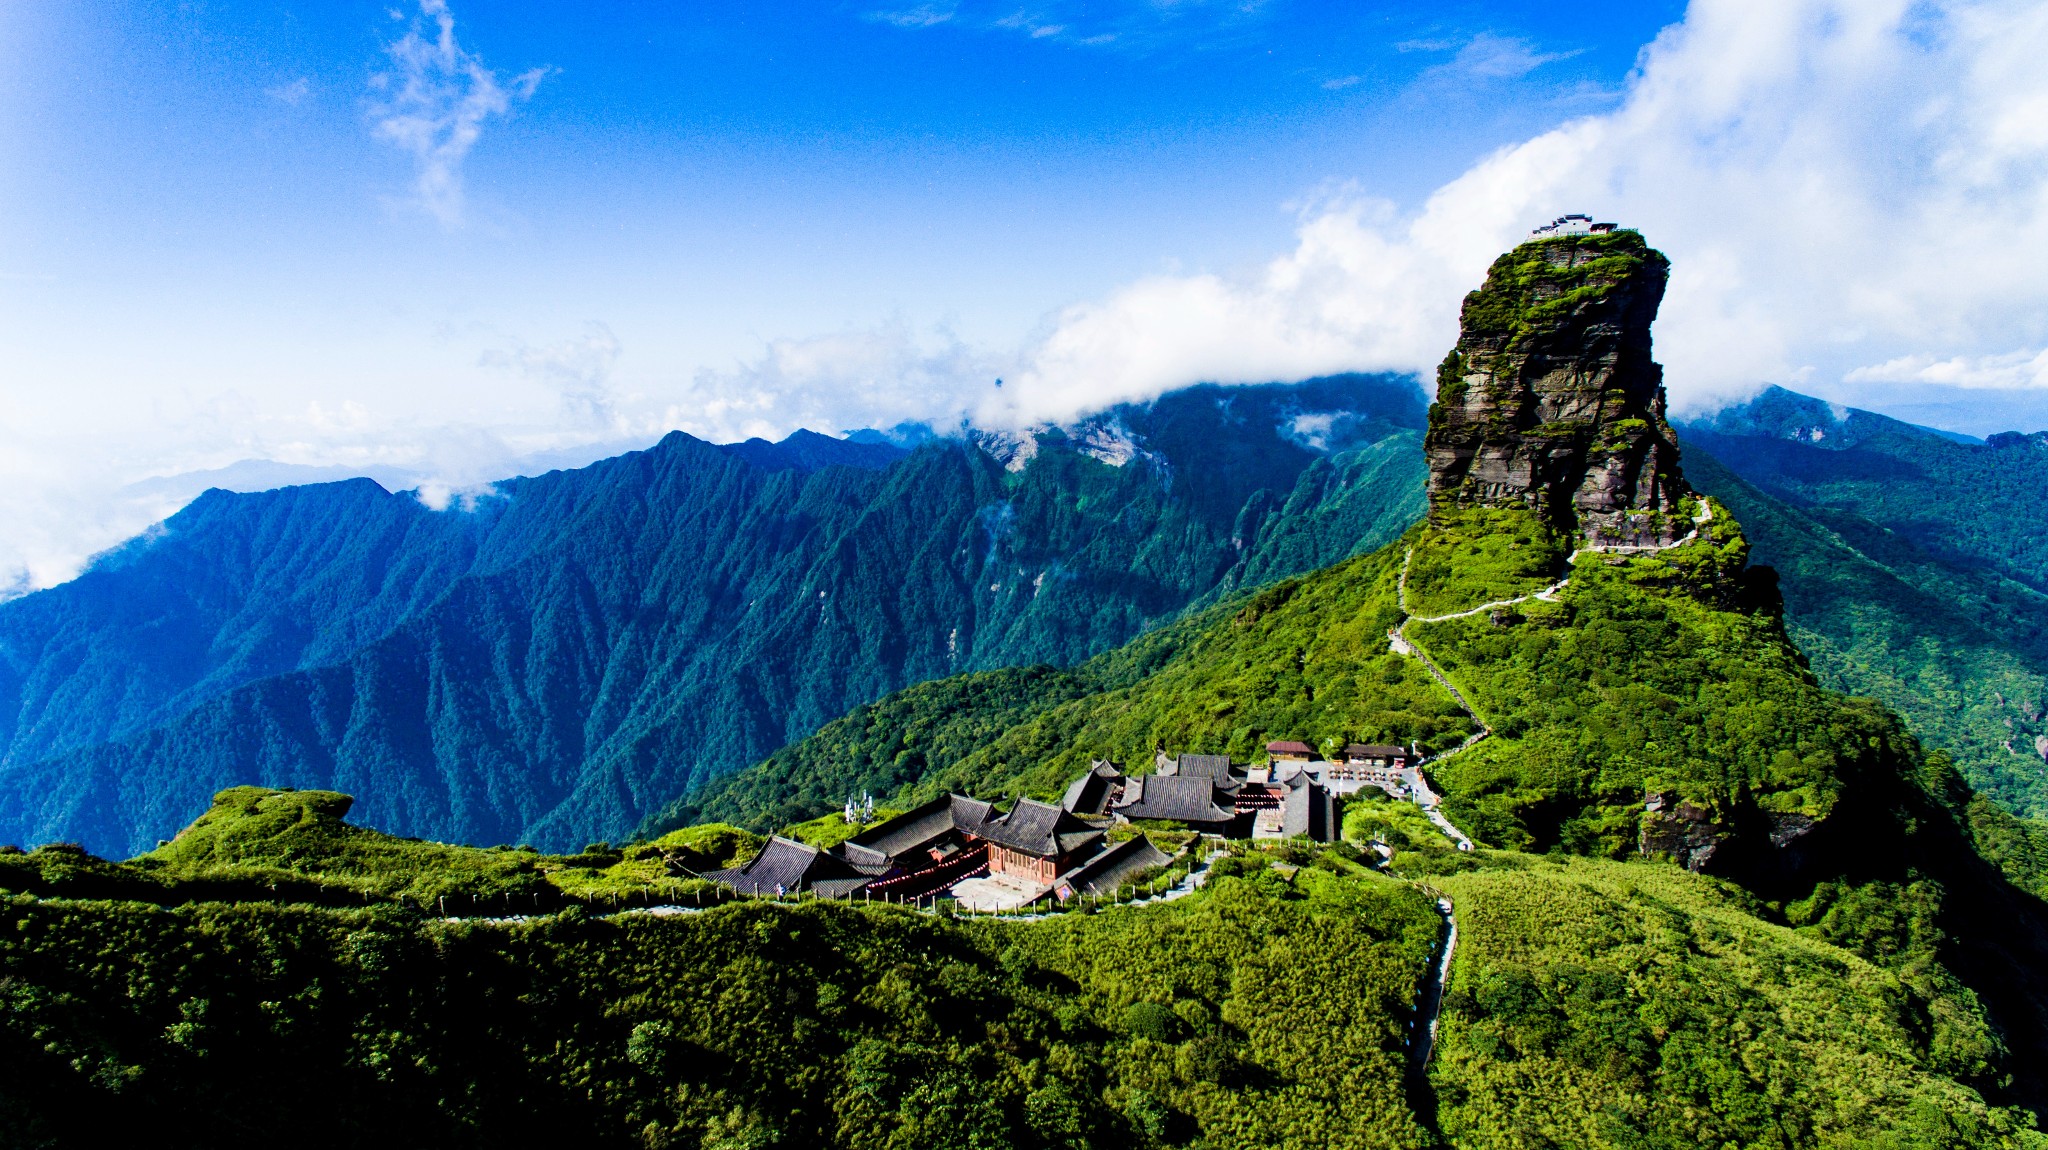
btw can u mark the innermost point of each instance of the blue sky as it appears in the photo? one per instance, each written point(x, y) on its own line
point(748, 170)
point(266, 236)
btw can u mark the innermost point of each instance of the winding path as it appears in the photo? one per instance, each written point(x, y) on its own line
point(1429, 1000)
point(1399, 642)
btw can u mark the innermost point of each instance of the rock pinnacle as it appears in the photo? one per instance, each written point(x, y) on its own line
point(1551, 401)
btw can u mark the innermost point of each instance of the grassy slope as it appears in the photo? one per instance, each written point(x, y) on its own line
point(1658, 671)
point(1265, 1013)
point(1652, 672)
point(266, 845)
point(1669, 672)
point(1304, 657)
point(1594, 1005)
point(1599, 1004)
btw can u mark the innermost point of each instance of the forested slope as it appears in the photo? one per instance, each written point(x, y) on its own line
point(1912, 567)
point(1593, 1005)
point(1662, 674)
point(1605, 1005)
point(1266, 1013)
point(573, 651)
point(1958, 651)
point(1652, 706)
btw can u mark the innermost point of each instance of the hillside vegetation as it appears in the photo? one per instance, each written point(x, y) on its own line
point(1306, 657)
point(1666, 673)
point(554, 660)
point(1601, 1005)
point(1268, 1012)
point(268, 845)
point(1592, 1004)
point(1938, 618)
point(1649, 672)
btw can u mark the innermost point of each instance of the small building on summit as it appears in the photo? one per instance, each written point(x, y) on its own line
point(1575, 224)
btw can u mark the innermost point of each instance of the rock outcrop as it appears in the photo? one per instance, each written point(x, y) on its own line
point(1551, 401)
point(1685, 833)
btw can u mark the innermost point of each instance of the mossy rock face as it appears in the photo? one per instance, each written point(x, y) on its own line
point(1551, 401)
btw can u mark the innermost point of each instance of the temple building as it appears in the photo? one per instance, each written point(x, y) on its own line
point(1198, 800)
point(1108, 870)
point(989, 860)
point(1089, 795)
point(920, 837)
point(786, 867)
point(1038, 841)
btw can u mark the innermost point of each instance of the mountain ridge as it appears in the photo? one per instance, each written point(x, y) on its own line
point(579, 647)
point(1649, 706)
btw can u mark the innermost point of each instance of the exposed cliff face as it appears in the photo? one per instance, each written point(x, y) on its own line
point(1551, 401)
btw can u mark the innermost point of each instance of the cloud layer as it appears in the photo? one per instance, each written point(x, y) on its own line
point(1854, 194)
point(1849, 190)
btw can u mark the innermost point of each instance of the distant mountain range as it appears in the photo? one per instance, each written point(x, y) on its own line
point(561, 659)
point(1914, 566)
point(552, 662)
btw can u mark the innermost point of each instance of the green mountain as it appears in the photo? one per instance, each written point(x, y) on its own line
point(1717, 903)
point(1911, 567)
point(1592, 1004)
point(1651, 705)
point(556, 659)
point(271, 1019)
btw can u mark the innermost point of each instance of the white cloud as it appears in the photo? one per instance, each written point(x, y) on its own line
point(1854, 194)
point(2017, 369)
point(292, 93)
point(1837, 182)
point(433, 104)
point(922, 16)
point(1487, 57)
point(831, 383)
point(578, 369)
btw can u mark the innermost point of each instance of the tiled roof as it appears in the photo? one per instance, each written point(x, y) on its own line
point(1288, 747)
point(1089, 794)
point(1215, 767)
point(914, 829)
point(1373, 750)
point(1038, 828)
point(1311, 811)
point(1184, 798)
point(786, 866)
point(1106, 871)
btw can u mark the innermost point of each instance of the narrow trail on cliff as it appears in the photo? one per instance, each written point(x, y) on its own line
point(1400, 642)
point(1429, 999)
